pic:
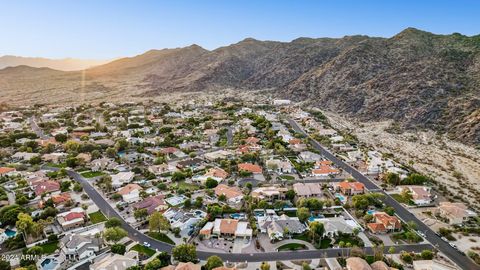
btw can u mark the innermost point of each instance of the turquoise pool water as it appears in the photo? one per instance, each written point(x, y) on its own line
point(48, 264)
point(371, 212)
point(340, 197)
point(10, 233)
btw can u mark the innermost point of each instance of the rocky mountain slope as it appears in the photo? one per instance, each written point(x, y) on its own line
point(67, 64)
point(419, 79)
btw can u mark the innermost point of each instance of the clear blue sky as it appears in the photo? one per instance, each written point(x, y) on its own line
point(106, 28)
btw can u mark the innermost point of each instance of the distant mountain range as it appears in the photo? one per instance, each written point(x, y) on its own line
point(68, 64)
point(419, 79)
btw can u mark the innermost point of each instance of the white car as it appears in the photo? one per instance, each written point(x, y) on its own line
point(146, 244)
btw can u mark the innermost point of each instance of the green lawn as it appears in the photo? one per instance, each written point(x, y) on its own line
point(55, 165)
point(287, 177)
point(353, 240)
point(186, 186)
point(400, 199)
point(143, 250)
point(97, 217)
point(291, 246)
point(161, 237)
point(49, 248)
point(91, 174)
point(303, 237)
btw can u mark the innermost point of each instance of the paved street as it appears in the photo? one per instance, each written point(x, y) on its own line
point(135, 235)
point(461, 260)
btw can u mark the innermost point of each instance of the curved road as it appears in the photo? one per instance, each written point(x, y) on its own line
point(461, 260)
point(135, 235)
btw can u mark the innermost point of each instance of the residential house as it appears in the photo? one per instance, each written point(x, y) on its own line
point(384, 223)
point(152, 204)
point(233, 194)
point(162, 169)
point(248, 167)
point(308, 156)
point(217, 174)
point(4, 171)
point(55, 157)
point(71, 219)
point(279, 166)
point(455, 213)
point(351, 188)
point(183, 266)
point(102, 164)
point(324, 168)
point(59, 200)
point(76, 247)
point(307, 190)
point(356, 263)
point(270, 194)
point(130, 193)
point(110, 261)
point(121, 178)
point(333, 226)
point(432, 265)
point(231, 228)
point(192, 163)
point(45, 186)
point(23, 156)
point(278, 229)
point(420, 194)
point(185, 221)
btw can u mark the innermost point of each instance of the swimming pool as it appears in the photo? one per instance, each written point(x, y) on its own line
point(341, 198)
point(236, 216)
point(49, 264)
point(10, 233)
point(371, 212)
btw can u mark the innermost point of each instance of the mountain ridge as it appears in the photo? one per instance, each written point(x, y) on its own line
point(419, 79)
point(65, 64)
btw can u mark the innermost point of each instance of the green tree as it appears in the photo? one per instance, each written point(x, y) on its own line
point(113, 222)
point(426, 254)
point(140, 214)
point(118, 249)
point(114, 234)
point(154, 264)
point(9, 214)
point(185, 253)
point(61, 138)
point(211, 183)
point(303, 214)
point(5, 265)
point(265, 266)
point(77, 187)
point(157, 222)
point(213, 262)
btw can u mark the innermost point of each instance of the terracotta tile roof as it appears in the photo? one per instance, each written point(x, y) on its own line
point(128, 188)
point(217, 172)
point(60, 198)
point(294, 141)
point(251, 140)
point(376, 227)
point(74, 215)
point(4, 170)
point(351, 185)
point(150, 203)
point(45, 186)
point(249, 167)
point(325, 169)
point(169, 150)
point(387, 220)
point(229, 192)
point(228, 226)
